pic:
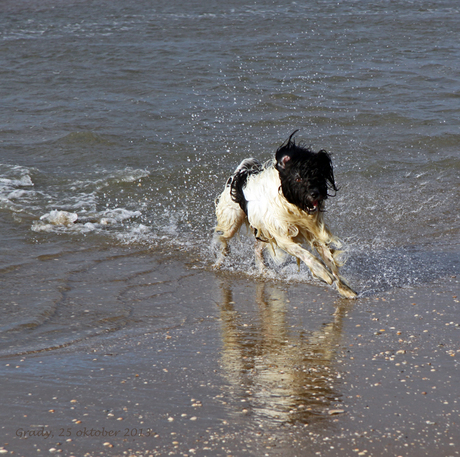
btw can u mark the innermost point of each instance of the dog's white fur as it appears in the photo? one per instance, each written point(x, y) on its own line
point(280, 223)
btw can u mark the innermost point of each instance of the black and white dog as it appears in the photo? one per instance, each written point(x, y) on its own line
point(283, 202)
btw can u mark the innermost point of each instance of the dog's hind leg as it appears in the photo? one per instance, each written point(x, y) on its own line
point(224, 237)
point(230, 218)
point(317, 269)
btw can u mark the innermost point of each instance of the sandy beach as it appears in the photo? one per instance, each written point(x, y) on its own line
point(252, 368)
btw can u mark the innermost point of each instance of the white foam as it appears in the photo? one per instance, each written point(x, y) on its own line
point(15, 184)
point(48, 222)
point(60, 218)
point(11, 183)
point(66, 221)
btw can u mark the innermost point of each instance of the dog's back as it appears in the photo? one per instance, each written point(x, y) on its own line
point(247, 168)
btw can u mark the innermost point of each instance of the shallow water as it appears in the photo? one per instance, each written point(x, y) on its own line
point(120, 124)
point(128, 119)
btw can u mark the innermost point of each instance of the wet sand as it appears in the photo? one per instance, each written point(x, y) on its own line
point(247, 367)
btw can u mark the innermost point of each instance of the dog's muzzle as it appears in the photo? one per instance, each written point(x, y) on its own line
point(312, 206)
point(313, 202)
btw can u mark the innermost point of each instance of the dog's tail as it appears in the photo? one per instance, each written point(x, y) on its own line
point(238, 181)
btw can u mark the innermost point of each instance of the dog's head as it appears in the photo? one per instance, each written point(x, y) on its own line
point(306, 176)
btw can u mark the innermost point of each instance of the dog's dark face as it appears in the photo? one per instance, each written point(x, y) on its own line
point(306, 176)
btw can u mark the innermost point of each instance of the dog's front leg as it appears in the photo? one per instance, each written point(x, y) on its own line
point(344, 289)
point(259, 253)
point(327, 257)
point(317, 269)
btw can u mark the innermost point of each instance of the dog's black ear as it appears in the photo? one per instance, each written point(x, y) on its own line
point(285, 152)
point(325, 162)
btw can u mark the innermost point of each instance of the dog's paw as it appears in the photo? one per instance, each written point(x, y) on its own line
point(262, 269)
point(345, 290)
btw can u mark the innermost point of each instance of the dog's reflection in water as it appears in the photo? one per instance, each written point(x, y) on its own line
point(278, 372)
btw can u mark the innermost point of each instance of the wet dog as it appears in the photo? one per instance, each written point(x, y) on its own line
point(283, 202)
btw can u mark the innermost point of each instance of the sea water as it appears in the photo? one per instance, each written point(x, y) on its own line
point(121, 122)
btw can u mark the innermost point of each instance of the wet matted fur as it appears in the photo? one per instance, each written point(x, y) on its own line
point(283, 202)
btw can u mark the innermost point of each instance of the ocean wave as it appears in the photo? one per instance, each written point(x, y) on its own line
point(92, 201)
